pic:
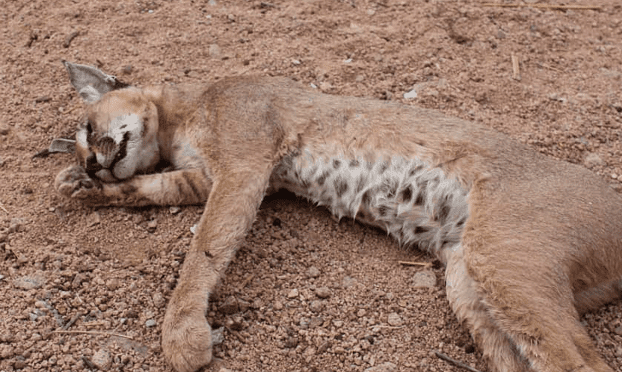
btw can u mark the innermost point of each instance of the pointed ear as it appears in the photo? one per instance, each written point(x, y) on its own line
point(90, 82)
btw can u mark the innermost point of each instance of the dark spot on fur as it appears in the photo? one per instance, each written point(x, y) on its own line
point(391, 187)
point(406, 194)
point(354, 163)
point(414, 170)
point(360, 183)
point(443, 211)
point(366, 199)
point(305, 183)
point(383, 167)
point(341, 186)
point(322, 178)
point(208, 254)
point(461, 222)
point(421, 230)
point(336, 163)
point(421, 196)
point(362, 215)
point(383, 210)
point(312, 171)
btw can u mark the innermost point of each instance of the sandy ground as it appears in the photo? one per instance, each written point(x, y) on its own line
point(85, 288)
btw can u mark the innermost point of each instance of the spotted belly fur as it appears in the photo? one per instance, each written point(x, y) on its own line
point(417, 204)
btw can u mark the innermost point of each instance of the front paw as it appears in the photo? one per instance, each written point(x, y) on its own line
point(73, 182)
point(186, 341)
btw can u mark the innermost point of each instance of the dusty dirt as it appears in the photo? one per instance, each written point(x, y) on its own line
point(85, 288)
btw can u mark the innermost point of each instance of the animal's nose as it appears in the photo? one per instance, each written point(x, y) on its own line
point(106, 145)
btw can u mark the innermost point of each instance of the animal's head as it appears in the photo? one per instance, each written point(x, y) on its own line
point(118, 137)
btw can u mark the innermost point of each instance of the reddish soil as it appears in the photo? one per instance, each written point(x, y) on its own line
point(85, 288)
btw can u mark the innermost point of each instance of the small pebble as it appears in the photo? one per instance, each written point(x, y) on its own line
point(174, 210)
point(313, 272)
point(384, 367)
point(316, 306)
point(102, 359)
point(218, 336)
point(293, 293)
point(424, 279)
point(150, 323)
point(322, 292)
point(394, 320)
point(152, 225)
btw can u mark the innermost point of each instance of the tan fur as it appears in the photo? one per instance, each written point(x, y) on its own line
point(541, 243)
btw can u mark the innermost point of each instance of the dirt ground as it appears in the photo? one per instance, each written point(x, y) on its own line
point(84, 288)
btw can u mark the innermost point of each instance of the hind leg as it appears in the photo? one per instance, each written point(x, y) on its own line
point(467, 304)
point(531, 301)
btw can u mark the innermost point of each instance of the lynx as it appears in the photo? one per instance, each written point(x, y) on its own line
point(529, 243)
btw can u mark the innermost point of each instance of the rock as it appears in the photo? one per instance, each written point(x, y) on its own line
point(384, 367)
point(424, 279)
point(230, 306)
point(313, 272)
point(102, 359)
point(394, 320)
point(150, 323)
point(152, 225)
point(348, 282)
point(77, 280)
point(158, 300)
point(316, 322)
point(293, 293)
point(16, 225)
point(112, 284)
point(127, 69)
point(28, 282)
point(412, 94)
point(325, 86)
point(174, 209)
point(214, 51)
point(322, 292)
point(218, 336)
point(316, 306)
point(593, 160)
point(93, 219)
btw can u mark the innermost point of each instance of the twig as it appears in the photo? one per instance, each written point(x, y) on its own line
point(71, 321)
point(409, 263)
point(542, 6)
point(549, 67)
point(246, 281)
point(515, 68)
point(95, 333)
point(386, 327)
point(454, 362)
point(69, 38)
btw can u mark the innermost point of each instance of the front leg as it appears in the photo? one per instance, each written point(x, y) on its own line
point(229, 214)
point(180, 187)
